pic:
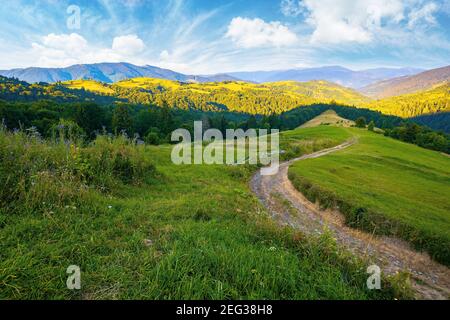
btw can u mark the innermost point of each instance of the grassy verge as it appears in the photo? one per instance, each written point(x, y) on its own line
point(156, 231)
point(385, 186)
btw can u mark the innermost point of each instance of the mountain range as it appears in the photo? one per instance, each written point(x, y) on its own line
point(407, 84)
point(340, 75)
point(106, 72)
point(113, 72)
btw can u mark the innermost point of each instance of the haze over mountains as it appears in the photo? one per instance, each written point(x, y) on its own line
point(113, 72)
point(408, 84)
point(337, 74)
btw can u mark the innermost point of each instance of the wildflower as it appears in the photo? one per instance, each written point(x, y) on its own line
point(109, 207)
point(272, 249)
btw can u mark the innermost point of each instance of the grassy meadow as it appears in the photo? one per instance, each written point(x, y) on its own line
point(386, 186)
point(142, 228)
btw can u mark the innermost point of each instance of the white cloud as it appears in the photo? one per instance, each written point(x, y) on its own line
point(424, 14)
point(292, 8)
point(67, 49)
point(128, 45)
point(362, 21)
point(350, 21)
point(66, 42)
point(253, 33)
point(164, 55)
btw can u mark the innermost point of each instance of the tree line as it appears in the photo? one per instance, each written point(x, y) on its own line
point(154, 124)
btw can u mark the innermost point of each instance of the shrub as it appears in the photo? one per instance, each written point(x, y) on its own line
point(152, 138)
point(109, 158)
point(67, 130)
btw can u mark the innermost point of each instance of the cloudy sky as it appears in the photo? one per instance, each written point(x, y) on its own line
point(211, 36)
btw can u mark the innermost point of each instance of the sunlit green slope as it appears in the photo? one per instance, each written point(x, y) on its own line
point(267, 98)
point(386, 186)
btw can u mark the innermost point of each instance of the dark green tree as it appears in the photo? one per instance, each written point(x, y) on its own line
point(121, 120)
point(90, 117)
point(360, 122)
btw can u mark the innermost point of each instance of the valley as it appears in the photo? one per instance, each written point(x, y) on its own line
point(198, 232)
point(225, 158)
point(404, 93)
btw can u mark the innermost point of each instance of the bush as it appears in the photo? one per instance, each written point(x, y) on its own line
point(109, 158)
point(67, 130)
point(152, 138)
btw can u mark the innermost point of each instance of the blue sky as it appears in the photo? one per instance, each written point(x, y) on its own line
point(211, 36)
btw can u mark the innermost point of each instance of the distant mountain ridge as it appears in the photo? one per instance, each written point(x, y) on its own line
point(409, 84)
point(106, 72)
point(114, 72)
point(340, 75)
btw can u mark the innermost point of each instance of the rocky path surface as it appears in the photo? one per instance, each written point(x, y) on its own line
point(430, 280)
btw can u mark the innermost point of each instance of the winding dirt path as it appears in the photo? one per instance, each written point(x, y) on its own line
point(287, 206)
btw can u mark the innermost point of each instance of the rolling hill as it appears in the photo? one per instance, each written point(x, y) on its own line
point(239, 96)
point(415, 104)
point(384, 186)
point(329, 117)
point(408, 84)
point(267, 98)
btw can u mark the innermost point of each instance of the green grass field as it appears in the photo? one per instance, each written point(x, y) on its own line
point(158, 231)
point(385, 186)
point(329, 117)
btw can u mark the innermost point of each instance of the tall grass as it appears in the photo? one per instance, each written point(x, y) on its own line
point(35, 173)
point(198, 233)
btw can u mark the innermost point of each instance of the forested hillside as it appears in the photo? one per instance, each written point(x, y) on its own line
point(16, 90)
point(437, 121)
point(268, 98)
point(243, 97)
point(415, 104)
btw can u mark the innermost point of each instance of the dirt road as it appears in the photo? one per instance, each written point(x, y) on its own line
point(430, 280)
